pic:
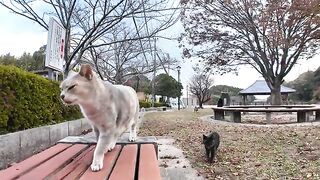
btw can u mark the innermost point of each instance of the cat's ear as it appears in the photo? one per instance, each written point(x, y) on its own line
point(86, 71)
point(204, 136)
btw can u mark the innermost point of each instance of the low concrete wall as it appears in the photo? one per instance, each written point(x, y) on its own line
point(17, 146)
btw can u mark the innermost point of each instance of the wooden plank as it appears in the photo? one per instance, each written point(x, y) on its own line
point(78, 161)
point(148, 163)
point(108, 163)
point(22, 167)
point(46, 168)
point(81, 168)
point(125, 165)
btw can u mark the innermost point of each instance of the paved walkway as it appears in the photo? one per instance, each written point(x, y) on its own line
point(172, 162)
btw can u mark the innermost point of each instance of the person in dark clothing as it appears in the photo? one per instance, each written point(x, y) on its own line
point(220, 102)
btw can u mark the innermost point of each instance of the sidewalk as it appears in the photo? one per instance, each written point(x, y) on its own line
point(172, 162)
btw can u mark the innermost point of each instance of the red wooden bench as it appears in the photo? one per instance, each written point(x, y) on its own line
point(136, 161)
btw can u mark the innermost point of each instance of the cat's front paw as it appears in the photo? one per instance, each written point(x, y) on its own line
point(97, 165)
point(132, 138)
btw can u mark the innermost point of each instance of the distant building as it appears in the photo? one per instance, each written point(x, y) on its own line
point(191, 101)
point(46, 73)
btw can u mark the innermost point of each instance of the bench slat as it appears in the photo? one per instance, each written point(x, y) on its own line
point(54, 163)
point(68, 161)
point(73, 166)
point(148, 163)
point(22, 167)
point(125, 165)
point(108, 163)
point(81, 168)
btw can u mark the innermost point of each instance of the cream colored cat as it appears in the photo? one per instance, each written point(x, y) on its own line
point(111, 109)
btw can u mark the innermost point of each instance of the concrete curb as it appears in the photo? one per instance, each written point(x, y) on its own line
point(15, 147)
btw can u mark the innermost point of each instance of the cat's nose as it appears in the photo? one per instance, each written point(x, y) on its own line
point(62, 96)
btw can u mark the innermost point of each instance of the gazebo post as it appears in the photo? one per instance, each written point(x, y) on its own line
point(244, 99)
point(286, 98)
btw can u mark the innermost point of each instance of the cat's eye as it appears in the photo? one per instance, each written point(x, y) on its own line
point(71, 87)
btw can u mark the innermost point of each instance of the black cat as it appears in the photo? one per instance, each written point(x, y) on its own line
point(211, 143)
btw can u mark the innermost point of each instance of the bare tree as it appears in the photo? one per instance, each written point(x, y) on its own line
point(200, 85)
point(87, 21)
point(270, 35)
point(123, 60)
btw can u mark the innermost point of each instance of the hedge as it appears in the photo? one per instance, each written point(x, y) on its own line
point(146, 104)
point(28, 100)
point(159, 104)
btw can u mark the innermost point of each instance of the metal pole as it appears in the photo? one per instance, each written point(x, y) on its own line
point(50, 74)
point(154, 74)
point(187, 97)
point(179, 82)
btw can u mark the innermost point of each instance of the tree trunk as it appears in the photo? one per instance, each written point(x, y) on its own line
point(276, 94)
point(67, 53)
point(138, 83)
point(200, 103)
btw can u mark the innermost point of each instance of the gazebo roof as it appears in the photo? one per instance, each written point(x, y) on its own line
point(260, 87)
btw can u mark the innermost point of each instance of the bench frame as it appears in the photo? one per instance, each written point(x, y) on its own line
point(303, 112)
point(139, 160)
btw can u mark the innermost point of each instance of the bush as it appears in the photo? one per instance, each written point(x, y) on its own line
point(144, 104)
point(159, 104)
point(28, 100)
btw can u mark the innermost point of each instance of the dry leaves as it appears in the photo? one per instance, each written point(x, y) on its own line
point(245, 152)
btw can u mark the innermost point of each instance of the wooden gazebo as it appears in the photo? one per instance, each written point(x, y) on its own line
point(260, 87)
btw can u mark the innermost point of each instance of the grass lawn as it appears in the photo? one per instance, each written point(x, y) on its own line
point(245, 152)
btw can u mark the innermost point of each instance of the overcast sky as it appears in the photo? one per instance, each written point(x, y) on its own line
point(18, 35)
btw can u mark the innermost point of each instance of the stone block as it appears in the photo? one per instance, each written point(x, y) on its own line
point(58, 132)
point(74, 127)
point(9, 149)
point(85, 125)
point(34, 140)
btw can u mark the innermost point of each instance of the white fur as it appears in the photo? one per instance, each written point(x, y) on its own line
point(111, 109)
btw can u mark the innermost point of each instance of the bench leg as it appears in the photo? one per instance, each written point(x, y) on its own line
point(317, 115)
point(301, 116)
point(308, 115)
point(236, 116)
point(219, 114)
point(268, 117)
